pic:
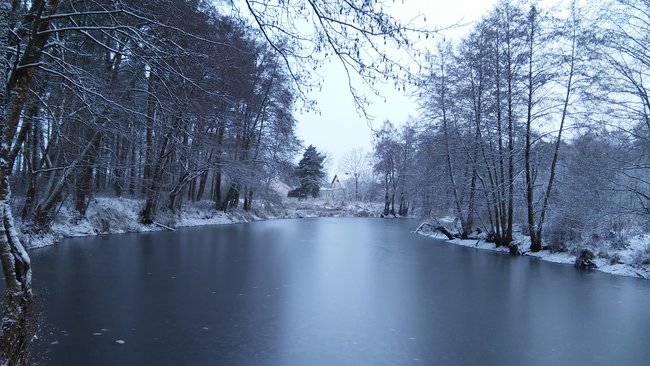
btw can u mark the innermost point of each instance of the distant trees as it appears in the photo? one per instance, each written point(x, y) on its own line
point(394, 156)
point(356, 164)
point(310, 173)
point(385, 166)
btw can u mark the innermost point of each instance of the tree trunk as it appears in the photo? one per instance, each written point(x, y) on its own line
point(31, 155)
point(217, 187)
point(248, 200)
point(153, 187)
point(29, 118)
point(231, 200)
point(386, 194)
point(133, 171)
point(471, 206)
point(45, 210)
point(511, 142)
point(184, 180)
point(217, 175)
point(535, 240)
point(17, 318)
point(175, 192)
point(16, 331)
point(558, 141)
point(500, 214)
point(85, 176)
point(147, 174)
point(202, 182)
point(445, 132)
point(121, 146)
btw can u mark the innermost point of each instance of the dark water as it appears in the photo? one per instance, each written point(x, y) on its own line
point(327, 292)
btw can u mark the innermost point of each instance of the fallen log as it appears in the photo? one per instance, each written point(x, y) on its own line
point(437, 226)
point(164, 226)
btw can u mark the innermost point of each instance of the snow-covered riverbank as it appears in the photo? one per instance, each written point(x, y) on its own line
point(632, 259)
point(121, 215)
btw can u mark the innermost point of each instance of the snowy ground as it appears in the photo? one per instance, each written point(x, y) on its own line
point(120, 215)
point(631, 260)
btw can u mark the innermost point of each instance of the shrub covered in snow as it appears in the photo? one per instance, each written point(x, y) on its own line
point(585, 260)
point(615, 259)
point(642, 257)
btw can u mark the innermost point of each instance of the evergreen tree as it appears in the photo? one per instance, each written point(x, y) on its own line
point(309, 172)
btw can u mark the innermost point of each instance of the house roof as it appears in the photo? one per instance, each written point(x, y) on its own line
point(335, 180)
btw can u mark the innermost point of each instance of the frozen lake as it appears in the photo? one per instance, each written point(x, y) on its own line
point(332, 291)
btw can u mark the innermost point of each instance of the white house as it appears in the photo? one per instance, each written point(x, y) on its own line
point(335, 192)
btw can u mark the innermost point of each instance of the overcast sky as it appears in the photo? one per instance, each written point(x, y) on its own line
point(339, 128)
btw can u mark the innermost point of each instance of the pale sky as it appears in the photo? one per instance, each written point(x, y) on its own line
point(339, 128)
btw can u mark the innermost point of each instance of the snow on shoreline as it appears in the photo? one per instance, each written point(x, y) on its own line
point(626, 267)
point(121, 215)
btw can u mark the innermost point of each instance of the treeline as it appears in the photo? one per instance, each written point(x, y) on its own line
point(537, 119)
point(160, 100)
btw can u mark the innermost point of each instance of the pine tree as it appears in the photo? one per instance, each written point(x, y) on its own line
point(310, 172)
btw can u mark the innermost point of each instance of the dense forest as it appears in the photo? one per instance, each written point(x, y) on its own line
point(153, 111)
point(538, 119)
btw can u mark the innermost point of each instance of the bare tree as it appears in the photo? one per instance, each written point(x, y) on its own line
point(513, 64)
point(355, 163)
point(369, 43)
point(385, 165)
point(620, 40)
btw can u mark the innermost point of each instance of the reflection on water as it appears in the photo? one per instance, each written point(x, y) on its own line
point(326, 292)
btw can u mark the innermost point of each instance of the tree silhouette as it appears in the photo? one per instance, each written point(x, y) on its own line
point(310, 172)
